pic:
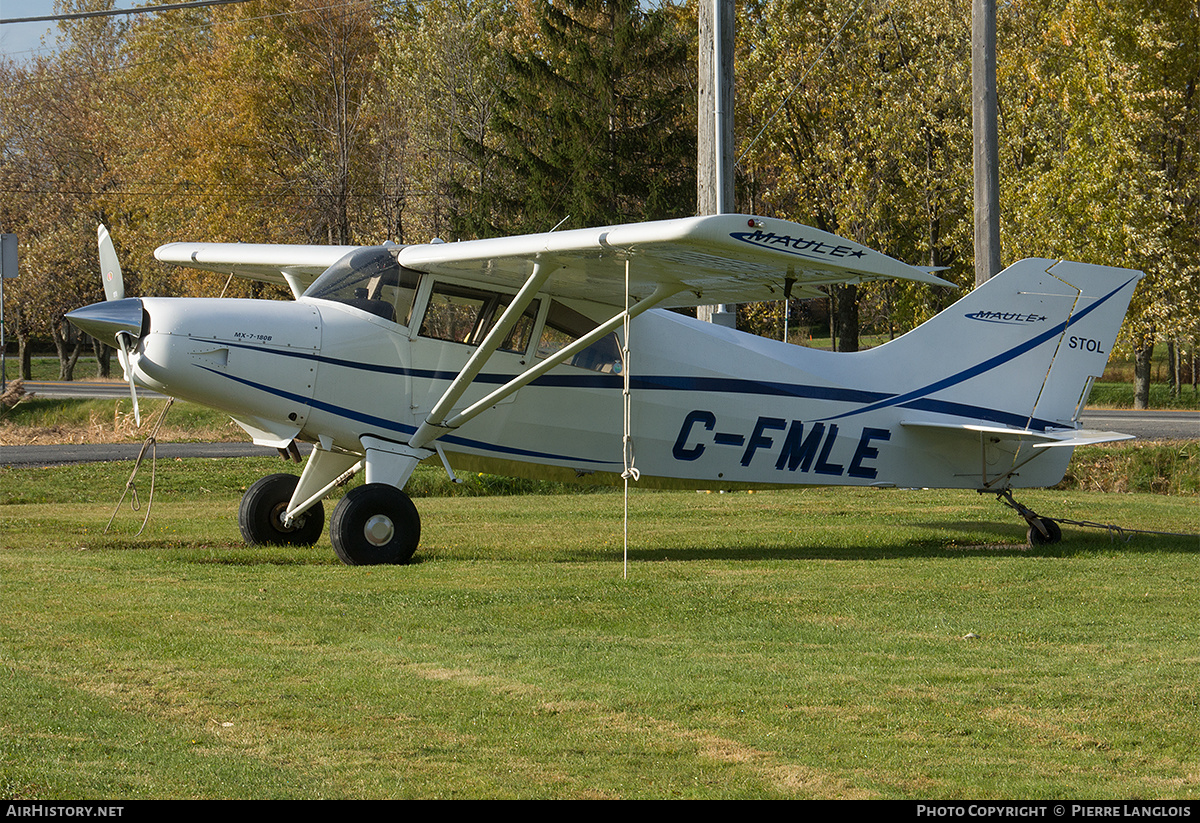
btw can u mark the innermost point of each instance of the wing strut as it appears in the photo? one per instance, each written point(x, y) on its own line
point(436, 425)
point(432, 428)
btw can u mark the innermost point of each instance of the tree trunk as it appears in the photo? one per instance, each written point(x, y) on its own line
point(1141, 376)
point(25, 357)
point(847, 318)
point(103, 358)
point(68, 351)
point(1174, 355)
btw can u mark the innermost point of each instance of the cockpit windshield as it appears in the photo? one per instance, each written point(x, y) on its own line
point(369, 279)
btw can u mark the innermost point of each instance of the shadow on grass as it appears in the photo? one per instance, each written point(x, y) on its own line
point(1009, 541)
point(205, 552)
point(961, 541)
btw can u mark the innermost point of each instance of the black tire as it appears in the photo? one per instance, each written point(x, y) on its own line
point(373, 525)
point(260, 515)
point(1053, 533)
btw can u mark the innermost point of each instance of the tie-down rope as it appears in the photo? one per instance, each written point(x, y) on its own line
point(149, 445)
point(630, 471)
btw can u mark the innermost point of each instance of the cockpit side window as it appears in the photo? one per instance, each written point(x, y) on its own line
point(564, 326)
point(369, 279)
point(465, 315)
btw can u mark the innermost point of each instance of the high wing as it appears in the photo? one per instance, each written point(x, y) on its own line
point(711, 259)
point(292, 266)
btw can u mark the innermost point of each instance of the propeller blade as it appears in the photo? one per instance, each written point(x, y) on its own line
point(110, 267)
point(123, 356)
point(114, 289)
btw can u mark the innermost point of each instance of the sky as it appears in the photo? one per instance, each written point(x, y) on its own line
point(20, 41)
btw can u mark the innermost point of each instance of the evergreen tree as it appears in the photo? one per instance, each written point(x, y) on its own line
point(594, 121)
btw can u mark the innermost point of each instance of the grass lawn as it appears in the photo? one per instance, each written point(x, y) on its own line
point(783, 644)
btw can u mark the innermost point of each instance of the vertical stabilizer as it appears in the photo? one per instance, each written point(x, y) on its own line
point(1019, 351)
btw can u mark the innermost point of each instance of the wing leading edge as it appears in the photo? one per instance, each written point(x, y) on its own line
point(294, 266)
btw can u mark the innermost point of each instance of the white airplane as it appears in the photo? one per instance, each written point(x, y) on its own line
point(508, 356)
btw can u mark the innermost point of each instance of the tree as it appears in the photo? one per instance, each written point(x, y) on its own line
point(1104, 152)
point(440, 77)
point(592, 122)
point(323, 129)
point(196, 107)
point(258, 124)
point(58, 153)
point(858, 125)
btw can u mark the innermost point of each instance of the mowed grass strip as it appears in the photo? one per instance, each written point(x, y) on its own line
point(793, 643)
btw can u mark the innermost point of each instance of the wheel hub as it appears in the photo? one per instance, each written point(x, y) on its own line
point(379, 530)
point(277, 513)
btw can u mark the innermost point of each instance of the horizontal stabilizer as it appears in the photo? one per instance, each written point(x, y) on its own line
point(1080, 437)
point(1040, 439)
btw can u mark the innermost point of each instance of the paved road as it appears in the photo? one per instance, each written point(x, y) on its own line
point(1147, 425)
point(26, 456)
point(58, 455)
point(84, 389)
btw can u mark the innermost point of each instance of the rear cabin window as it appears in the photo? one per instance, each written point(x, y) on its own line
point(465, 315)
point(564, 326)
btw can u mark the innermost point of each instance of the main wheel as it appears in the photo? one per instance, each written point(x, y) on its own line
point(260, 516)
point(1053, 533)
point(375, 524)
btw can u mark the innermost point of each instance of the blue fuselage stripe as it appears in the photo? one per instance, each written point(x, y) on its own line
point(664, 383)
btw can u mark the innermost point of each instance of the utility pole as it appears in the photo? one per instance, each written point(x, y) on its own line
point(8, 270)
point(986, 140)
point(714, 130)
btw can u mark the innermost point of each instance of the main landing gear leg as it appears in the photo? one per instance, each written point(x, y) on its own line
point(282, 509)
point(1042, 530)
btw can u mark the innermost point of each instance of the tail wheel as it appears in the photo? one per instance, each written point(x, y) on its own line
point(1035, 535)
point(375, 524)
point(260, 516)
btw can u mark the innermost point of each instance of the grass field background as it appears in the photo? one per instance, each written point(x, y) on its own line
point(785, 644)
point(821, 643)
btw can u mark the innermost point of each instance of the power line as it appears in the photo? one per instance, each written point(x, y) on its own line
point(79, 15)
point(197, 194)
